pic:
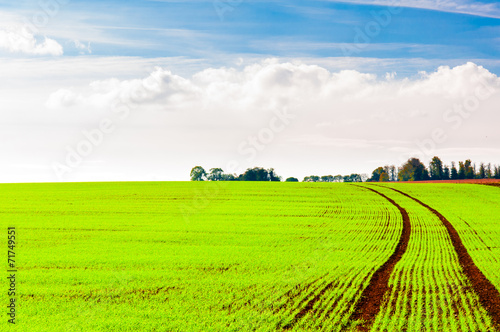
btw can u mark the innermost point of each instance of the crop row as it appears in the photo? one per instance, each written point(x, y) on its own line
point(429, 291)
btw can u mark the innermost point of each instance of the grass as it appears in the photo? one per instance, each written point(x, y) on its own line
point(179, 256)
point(474, 211)
point(429, 289)
point(190, 256)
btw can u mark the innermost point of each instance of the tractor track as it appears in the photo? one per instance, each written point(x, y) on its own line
point(489, 296)
point(370, 301)
point(368, 305)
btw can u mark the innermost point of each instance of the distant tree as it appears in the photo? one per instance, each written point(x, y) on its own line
point(481, 174)
point(489, 173)
point(259, 174)
point(198, 173)
point(376, 174)
point(215, 174)
point(311, 178)
point(273, 176)
point(496, 172)
point(327, 178)
point(393, 173)
point(292, 180)
point(436, 169)
point(461, 170)
point(390, 170)
point(446, 173)
point(453, 171)
point(469, 170)
point(413, 170)
point(384, 177)
point(338, 178)
point(352, 178)
point(229, 177)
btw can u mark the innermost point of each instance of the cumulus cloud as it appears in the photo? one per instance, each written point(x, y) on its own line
point(161, 87)
point(19, 40)
point(271, 84)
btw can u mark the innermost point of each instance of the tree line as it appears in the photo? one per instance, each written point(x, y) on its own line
point(412, 170)
point(415, 170)
point(198, 173)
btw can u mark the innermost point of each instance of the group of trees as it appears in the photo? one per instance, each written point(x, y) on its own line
point(384, 174)
point(415, 170)
point(198, 173)
point(336, 178)
point(412, 170)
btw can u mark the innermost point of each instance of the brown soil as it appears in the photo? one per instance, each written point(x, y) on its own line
point(489, 296)
point(473, 181)
point(369, 303)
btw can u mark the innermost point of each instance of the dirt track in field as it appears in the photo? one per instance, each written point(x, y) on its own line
point(370, 301)
point(489, 297)
point(470, 181)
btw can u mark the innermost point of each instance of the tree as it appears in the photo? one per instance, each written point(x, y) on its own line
point(338, 178)
point(482, 171)
point(376, 174)
point(496, 173)
point(489, 173)
point(273, 176)
point(198, 173)
point(413, 170)
point(292, 180)
point(259, 174)
point(454, 172)
point(436, 169)
point(327, 178)
point(384, 177)
point(469, 170)
point(216, 174)
point(393, 175)
point(352, 178)
point(229, 177)
point(461, 170)
point(312, 178)
point(446, 173)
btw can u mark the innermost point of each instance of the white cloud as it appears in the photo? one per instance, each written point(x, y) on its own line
point(161, 87)
point(343, 118)
point(271, 84)
point(63, 98)
point(18, 39)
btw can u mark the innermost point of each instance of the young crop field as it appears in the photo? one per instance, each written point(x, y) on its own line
point(243, 256)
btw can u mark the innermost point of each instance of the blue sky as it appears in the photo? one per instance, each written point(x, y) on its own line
point(366, 82)
point(277, 28)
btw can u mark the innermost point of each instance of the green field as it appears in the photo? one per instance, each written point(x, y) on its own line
point(243, 256)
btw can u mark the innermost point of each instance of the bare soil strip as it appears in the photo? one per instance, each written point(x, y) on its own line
point(489, 296)
point(369, 303)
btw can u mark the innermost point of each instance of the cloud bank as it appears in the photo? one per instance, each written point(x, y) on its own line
point(271, 84)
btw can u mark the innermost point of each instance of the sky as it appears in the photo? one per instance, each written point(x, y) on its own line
point(146, 90)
